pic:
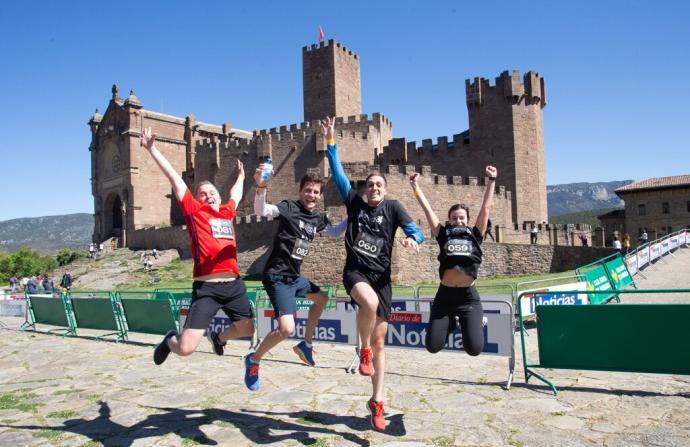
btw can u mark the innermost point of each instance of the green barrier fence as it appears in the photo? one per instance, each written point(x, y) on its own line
point(50, 310)
point(101, 314)
point(149, 316)
point(645, 338)
point(618, 273)
point(598, 281)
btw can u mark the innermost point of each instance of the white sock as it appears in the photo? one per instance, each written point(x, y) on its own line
point(308, 345)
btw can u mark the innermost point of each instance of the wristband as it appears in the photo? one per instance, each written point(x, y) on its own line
point(261, 187)
point(492, 178)
point(331, 142)
point(418, 193)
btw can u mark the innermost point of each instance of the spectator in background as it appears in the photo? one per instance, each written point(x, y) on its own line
point(13, 283)
point(534, 234)
point(48, 284)
point(617, 244)
point(154, 252)
point(92, 251)
point(489, 225)
point(626, 243)
point(583, 240)
point(25, 282)
point(644, 237)
point(32, 285)
point(66, 281)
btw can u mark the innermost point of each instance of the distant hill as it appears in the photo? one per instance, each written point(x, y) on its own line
point(47, 234)
point(576, 197)
point(587, 217)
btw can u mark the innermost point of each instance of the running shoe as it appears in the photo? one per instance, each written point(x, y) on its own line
point(376, 418)
point(251, 373)
point(218, 346)
point(305, 353)
point(162, 349)
point(366, 368)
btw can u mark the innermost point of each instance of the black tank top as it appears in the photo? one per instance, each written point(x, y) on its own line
point(459, 249)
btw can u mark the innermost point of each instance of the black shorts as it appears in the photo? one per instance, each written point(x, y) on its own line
point(380, 282)
point(283, 290)
point(209, 297)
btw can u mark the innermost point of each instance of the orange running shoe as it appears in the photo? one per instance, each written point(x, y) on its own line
point(376, 418)
point(366, 368)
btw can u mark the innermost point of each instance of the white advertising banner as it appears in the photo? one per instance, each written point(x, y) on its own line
point(552, 295)
point(665, 246)
point(642, 257)
point(631, 263)
point(673, 242)
point(12, 308)
point(654, 251)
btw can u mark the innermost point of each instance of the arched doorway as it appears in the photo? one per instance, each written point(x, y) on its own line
point(112, 217)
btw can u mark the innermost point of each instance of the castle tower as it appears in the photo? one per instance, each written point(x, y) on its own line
point(331, 81)
point(507, 127)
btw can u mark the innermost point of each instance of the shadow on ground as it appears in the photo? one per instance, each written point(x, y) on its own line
point(258, 427)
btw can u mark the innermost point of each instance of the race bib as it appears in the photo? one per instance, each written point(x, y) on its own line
point(368, 245)
point(300, 250)
point(458, 247)
point(221, 228)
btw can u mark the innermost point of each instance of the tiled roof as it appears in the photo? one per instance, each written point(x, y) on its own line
point(673, 181)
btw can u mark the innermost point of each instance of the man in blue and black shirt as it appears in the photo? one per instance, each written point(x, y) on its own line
point(369, 239)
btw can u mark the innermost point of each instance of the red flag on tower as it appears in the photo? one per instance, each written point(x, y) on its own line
point(320, 34)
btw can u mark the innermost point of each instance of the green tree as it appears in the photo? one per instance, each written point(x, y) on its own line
point(65, 256)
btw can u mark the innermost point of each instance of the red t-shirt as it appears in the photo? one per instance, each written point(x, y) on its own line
point(211, 235)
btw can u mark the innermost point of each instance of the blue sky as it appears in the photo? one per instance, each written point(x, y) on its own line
point(616, 77)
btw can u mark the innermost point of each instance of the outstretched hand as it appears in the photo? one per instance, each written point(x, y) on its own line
point(147, 139)
point(409, 242)
point(413, 179)
point(491, 171)
point(257, 176)
point(328, 128)
point(240, 169)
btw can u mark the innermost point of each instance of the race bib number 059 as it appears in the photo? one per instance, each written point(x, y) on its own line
point(368, 245)
point(301, 249)
point(458, 247)
point(221, 228)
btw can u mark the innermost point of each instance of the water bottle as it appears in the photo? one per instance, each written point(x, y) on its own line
point(267, 173)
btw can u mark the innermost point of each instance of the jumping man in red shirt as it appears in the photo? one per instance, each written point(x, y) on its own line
point(217, 284)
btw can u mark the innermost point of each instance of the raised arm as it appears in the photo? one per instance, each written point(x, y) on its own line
point(148, 141)
point(237, 189)
point(336, 230)
point(261, 208)
point(431, 218)
point(483, 216)
point(339, 177)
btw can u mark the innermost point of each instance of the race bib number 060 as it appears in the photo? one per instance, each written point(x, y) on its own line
point(368, 245)
point(221, 228)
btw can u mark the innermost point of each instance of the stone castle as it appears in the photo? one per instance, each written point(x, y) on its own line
point(133, 199)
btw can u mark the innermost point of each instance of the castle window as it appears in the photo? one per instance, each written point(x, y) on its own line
point(641, 210)
point(665, 208)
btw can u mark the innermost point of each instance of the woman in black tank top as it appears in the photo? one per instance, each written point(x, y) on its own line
point(457, 300)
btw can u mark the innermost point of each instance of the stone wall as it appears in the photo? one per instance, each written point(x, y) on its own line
point(327, 258)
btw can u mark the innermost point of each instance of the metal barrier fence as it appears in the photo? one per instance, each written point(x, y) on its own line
point(610, 338)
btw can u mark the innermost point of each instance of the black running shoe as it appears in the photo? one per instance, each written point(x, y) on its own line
point(162, 349)
point(218, 346)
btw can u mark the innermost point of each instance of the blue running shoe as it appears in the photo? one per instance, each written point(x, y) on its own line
point(251, 373)
point(305, 353)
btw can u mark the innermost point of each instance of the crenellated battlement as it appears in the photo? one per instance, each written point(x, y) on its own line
point(530, 89)
point(330, 44)
point(352, 127)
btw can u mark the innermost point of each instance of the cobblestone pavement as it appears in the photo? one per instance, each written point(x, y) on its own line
point(80, 392)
